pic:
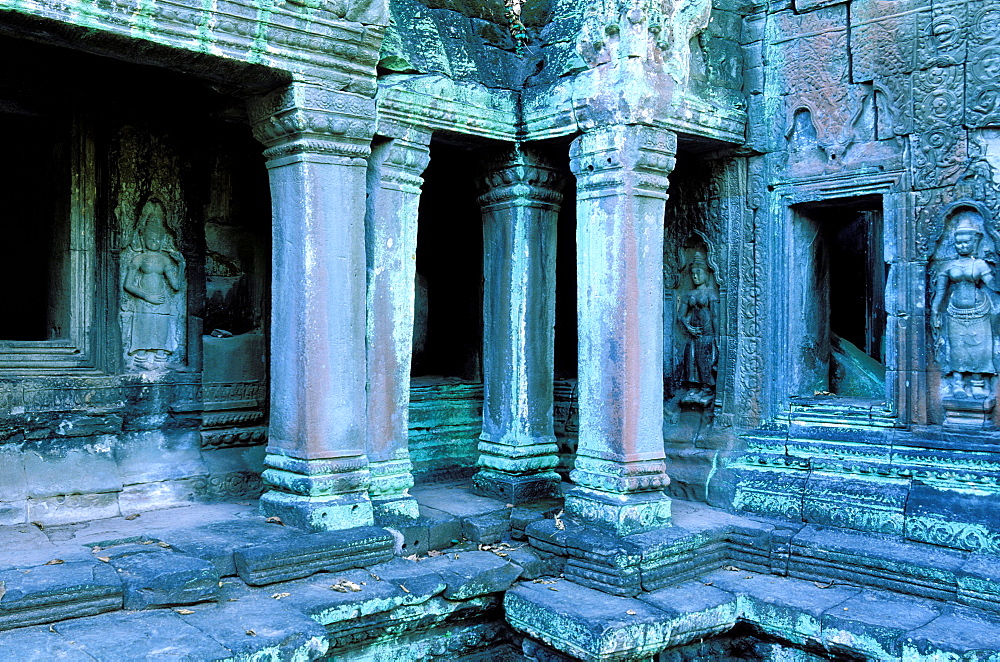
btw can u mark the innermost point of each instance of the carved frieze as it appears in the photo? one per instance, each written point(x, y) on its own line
point(982, 75)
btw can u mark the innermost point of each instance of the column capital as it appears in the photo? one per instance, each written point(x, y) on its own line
point(520, 174)
point(308, 119)
point(633, 157)
point(404, 161)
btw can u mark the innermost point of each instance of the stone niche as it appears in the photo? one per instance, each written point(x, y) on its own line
point(133, 371)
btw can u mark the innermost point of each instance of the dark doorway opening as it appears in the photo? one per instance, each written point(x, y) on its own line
point(844, 275)
point(35, 190)
point(448, 308)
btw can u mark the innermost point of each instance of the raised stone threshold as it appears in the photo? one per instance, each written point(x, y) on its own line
point(836, 620)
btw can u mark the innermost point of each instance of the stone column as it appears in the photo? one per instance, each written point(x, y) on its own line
point(518, 451)
point(317, 142)
point(394, 180)
point(621, 190)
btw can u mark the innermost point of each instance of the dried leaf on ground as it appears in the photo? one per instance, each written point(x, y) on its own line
point(104, 559)
point(434, 552)
point(132, 516)
point(559, 523)
point(184, 612)
point(274, 520)
point(731, 568)
point(412, 557)
point(822, 585)
point(404, 588)
point(95, 549)
point(54, 562)
point(278, 596)
point(345, 585)
point(164, 545)
point(546, 581)
point(374, 576)
point(251, 633)
point(630, 612)
point(553, 588)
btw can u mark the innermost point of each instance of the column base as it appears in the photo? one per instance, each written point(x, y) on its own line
point(389, 490)
point(624, 514)
point(516, 489)
point(395, 510)
point(319, 513)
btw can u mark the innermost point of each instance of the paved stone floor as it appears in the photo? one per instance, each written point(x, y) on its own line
point(219, 582)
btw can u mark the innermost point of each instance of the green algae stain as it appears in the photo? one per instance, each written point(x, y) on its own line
point(258, 46)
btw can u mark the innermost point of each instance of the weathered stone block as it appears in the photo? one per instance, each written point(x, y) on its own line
point(41, 645)
point(160, 494)
point(13, 483)
point(157, 455)
point(475, 573)
point(316, 599)
point(166, 578)
point(72, 508)
point(957, 518)
point(161, 633)
point(216, 542)
point(301, 556)
point(53, 592)
point(51, 465)
point(488, 528)
point(443, 530)
point(873, 622)
point(956, 634)
point(789, 609)
point(13, 512)
point(870, 503)
point(585, 623)
point(694, 610)
point(549, 535)
point(255, 629)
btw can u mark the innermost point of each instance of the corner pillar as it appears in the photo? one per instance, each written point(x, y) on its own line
point(620, 470)
point(316, 144)
point(394, 181)
point(518, 451)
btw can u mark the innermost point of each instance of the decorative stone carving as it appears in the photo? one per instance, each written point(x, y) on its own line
point(964, 310)
point(153, 293)
point(699, 317)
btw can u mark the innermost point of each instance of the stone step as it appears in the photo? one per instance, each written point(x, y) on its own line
point(841, 619)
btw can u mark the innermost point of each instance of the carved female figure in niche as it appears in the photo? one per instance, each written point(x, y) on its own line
point(154, 275)
point(963, 314)
point(698, 318)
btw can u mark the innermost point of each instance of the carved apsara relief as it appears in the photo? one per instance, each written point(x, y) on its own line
point(153, 292)
point(964, 309)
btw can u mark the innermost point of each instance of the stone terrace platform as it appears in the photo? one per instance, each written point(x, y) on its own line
point(476, 579)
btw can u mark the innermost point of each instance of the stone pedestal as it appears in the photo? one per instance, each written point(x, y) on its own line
point(317, 143)
point(518, 452)
point(394, 179)
point(621, 190)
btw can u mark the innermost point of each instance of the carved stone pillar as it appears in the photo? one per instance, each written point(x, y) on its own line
point(518, 452)
point(394, 172)
point(621, 190)
point(317, 143)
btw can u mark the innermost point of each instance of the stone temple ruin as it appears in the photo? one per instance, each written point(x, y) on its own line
point(472, 330)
